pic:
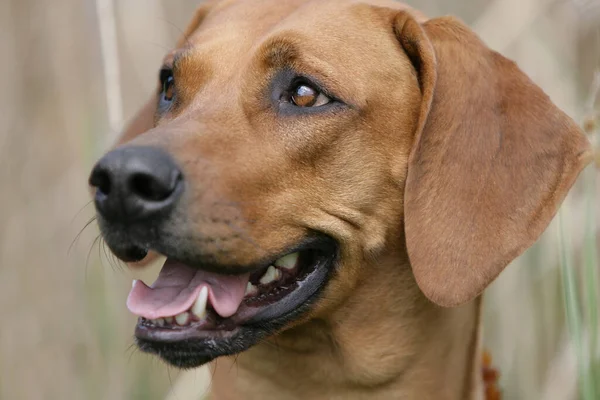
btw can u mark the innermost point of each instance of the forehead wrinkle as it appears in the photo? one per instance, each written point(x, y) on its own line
point(277, 52)
point(192, 71)
point(234, 35)
point(184, 56)
point(223, 49)
point(229, 50)
point(282, 52)
point(177, 57)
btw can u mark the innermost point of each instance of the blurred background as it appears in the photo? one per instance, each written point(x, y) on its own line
point(73, 70)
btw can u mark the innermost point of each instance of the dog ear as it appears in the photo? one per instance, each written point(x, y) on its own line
point(492, 160)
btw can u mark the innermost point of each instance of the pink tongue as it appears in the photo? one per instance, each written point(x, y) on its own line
point(177, 288)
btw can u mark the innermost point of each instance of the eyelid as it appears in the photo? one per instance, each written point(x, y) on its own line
point(165, 72)
point(321, 74)
point(281, 87)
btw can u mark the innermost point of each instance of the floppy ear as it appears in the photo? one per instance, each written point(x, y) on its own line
point(491, 162)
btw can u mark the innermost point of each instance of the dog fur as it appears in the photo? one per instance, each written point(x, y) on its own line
point(444, 164)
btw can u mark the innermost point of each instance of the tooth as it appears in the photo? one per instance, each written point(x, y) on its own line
point(199, 307)
point(169, 320)
point(133, 283)
point(250, 289)
point(271, 275)
point(287, 262)
point(183, 318)
point(159, 322)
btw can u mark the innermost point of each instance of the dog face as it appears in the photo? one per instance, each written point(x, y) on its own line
point(290, 141)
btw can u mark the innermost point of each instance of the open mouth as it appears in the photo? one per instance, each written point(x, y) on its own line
point(217, 314)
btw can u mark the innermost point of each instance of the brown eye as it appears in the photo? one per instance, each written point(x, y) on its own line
point(304, 95)
point(168, 88)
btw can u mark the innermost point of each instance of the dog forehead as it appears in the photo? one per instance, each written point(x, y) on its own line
point(334, 30)
point(286, 7)
point(341, 40)
point(241, 24)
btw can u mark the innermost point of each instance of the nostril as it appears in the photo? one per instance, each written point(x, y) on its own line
point(100, 179)
point(151, 188)
point(134, 184)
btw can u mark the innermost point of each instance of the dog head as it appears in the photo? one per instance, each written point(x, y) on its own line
point(291, 141)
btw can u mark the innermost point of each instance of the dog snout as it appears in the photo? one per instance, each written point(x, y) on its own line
point(134, 184)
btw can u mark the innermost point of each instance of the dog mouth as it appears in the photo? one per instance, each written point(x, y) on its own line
point(212, 314)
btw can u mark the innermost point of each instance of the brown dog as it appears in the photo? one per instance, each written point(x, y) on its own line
point(334, 183)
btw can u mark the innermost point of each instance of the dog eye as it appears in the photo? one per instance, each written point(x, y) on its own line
point(168, 85)
point(305, 95)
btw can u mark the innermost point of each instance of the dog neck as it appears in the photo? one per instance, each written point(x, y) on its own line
point(386, 341)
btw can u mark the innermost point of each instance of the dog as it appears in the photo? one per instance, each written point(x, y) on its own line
point(333, 183)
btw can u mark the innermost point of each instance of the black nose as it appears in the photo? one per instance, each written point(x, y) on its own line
point(136, 183)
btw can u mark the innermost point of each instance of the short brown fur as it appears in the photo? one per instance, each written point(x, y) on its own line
point(448, 163)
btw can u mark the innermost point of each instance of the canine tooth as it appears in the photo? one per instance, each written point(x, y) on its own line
point(133, 282)
point(271, 275)
point(250, 289)
point(287, 262)
point(183, 318)
point(199, 307)
point(169, 320)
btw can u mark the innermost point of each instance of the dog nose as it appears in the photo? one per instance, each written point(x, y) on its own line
point(135, 183)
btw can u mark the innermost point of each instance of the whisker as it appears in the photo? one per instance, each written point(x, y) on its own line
point(106, 257)
point(80, 211)
point(79, 234)
point(113, 261)
point(131, 349)
point(214, 371)
point(87, 259)
point(119, 263)
point(100, 250)
point(181, 32)
point(234, 364)
point(170, 378)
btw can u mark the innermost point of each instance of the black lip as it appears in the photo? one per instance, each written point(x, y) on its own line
point(306, 289)
point(187, 348)
point(118, 237)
